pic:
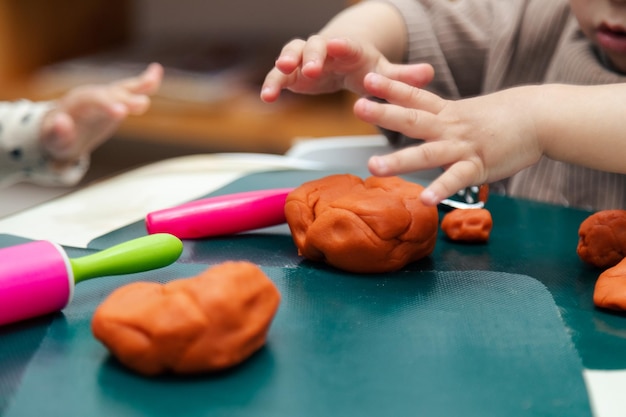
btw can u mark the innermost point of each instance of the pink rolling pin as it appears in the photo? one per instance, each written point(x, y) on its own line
point(222, 215)
point(38, 278)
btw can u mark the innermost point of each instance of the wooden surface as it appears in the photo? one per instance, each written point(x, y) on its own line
point(245, 123)
point(36, 33)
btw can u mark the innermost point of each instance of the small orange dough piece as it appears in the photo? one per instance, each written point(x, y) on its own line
point(365, 226)
point(610, 289)
point(602, 238)
point(468, 225)
point(205, 323)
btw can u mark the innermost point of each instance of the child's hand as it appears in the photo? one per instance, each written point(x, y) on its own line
point(322, 65)
point(476, 140)
point(87, 116)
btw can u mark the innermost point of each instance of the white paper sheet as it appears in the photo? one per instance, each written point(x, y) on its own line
point(76, 219)
point(607, 391)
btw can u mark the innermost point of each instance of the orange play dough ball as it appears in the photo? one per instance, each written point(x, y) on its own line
point(602, 238)
point(366, 226)
point(610, 289)
point(468, 225)
point(205, 323)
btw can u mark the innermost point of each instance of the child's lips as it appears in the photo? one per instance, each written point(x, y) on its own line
point(612, 38)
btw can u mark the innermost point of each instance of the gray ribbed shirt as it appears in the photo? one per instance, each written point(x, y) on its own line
point(481, 46)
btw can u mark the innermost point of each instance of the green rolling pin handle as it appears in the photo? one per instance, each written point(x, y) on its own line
point(138, 255)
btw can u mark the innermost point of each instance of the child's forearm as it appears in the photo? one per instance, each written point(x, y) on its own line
point(378, 23)
point(584, 125)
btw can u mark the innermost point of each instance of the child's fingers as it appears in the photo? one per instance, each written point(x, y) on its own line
point(133, 103)
point(58, 133)
point(402, 94)
point(120, 99)
point(409, 110)
point(425, 156)
point(147, 82)
point(290, 57)
point(415, 75)
point(347, 52)
point(275, 81)
point(343, 48)
point(99, 102)
point(284, 72)
point(412, 122)
point(119, 102)
point(459, 176)
point(314, 56)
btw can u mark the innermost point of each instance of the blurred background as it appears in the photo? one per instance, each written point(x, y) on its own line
point(215, 53)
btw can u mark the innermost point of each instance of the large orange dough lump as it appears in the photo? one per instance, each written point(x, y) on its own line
point(205, 323)
point(602, 238)
point(366, 226)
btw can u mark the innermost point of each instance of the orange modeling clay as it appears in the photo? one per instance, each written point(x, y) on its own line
point(205, 323)
point(468, 225)
point(366, 226)
point(602, 238)
point(610, 289)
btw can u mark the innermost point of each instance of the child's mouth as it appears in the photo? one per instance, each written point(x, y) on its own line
point(612, 38)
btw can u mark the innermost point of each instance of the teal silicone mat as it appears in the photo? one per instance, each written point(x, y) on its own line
point(464, 343)
point(529, 238)
point(465, 331)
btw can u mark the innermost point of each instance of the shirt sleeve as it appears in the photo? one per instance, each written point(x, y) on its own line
point(21, 156)
point(454, 37)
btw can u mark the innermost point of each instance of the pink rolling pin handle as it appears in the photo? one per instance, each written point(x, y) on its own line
point(223, 215)
point(36, 278)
